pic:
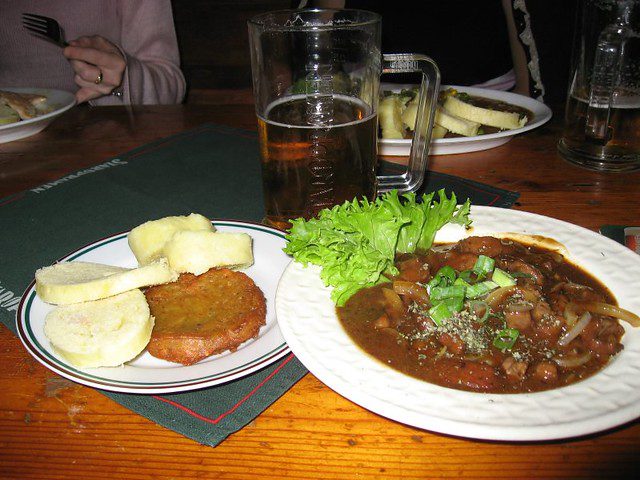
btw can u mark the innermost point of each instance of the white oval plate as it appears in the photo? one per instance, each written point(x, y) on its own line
point(147, 374)
point(611, 397)
point(60, 100)
point(448, 146)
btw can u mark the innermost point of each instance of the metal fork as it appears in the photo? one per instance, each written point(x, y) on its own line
point(44, 27)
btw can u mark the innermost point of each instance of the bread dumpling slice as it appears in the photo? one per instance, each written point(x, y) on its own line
point(74, 282)
point(438, 132)
point(485, 116)
point(102, 333)
point(390, 117)
point(455, 124)
point(197, 252)
point(147, 240)
point(409, 116)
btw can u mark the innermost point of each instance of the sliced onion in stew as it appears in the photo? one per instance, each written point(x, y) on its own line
point(393, 304)
point(402, 287)
point(519, 307)
point(576, 330)
point(412, 290)
point(561, 285)
point(480, 309)
point(612, 311)
point(574, 361)
point(382, 322)
point(570, 314)
point(495, 298)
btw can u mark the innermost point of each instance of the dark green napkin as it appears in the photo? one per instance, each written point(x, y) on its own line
point(211, 170)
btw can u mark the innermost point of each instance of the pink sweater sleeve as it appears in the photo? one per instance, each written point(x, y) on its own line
point(148, 41)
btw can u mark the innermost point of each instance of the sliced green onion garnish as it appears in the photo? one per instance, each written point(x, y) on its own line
point(484, 265)
point(502, 278)
point(465, 275)
point(480, 309)
point(479, 289)
point(505, 339)
point(439, 313)
point(455, 304)
point(443, 277)
point(439, 293)
point(522, 275)
point(461, 283)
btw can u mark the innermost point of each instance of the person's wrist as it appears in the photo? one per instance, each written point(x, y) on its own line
point(119, 90)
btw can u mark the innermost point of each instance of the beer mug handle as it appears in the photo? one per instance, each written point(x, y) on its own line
point(411, 180)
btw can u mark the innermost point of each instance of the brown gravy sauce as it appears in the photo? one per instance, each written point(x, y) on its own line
point(406, 347)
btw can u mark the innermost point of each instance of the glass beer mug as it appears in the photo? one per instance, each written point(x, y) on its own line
point(602, 116)
point(316, 79)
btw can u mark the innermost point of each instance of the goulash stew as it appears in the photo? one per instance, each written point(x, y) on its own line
point(487, 315)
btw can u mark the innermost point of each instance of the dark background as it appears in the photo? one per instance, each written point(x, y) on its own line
point(213, 41)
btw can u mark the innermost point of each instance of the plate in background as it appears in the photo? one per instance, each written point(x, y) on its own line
point(60, 100)
point(448, 146)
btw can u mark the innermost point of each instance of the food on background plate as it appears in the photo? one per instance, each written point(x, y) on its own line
point(224, 307)
point(471, 108)
point(457, 114)
point(447, 122)
point(8, 115)
point(73, 282)
point(390, 117)
point(101, 333)
point(199, 316)
point(486, 314)
point(146, 241)
point(15, 107)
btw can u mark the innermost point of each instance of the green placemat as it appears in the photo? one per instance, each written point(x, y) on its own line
point(195, 171)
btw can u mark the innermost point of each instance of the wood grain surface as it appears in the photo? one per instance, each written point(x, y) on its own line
point(51, 428)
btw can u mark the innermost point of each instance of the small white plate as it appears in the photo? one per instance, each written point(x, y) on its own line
point(611, 397)
point(146, 374)
point(448, 146)
point(60, 100)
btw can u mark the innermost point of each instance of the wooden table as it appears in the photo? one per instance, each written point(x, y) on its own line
point(51, 428)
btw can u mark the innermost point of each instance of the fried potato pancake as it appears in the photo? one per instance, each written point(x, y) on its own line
point(199, 316)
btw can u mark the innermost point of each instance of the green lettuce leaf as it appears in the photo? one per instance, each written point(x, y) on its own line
point(356, 243)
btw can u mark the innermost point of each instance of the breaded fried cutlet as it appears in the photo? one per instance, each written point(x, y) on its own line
point(199, 316)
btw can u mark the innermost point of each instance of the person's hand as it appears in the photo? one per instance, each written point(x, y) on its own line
point(98, 64)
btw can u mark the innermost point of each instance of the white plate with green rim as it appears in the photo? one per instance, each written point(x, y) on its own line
point(149, 375)
point(59, 100)
point(448, 146)
point(609, 398)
